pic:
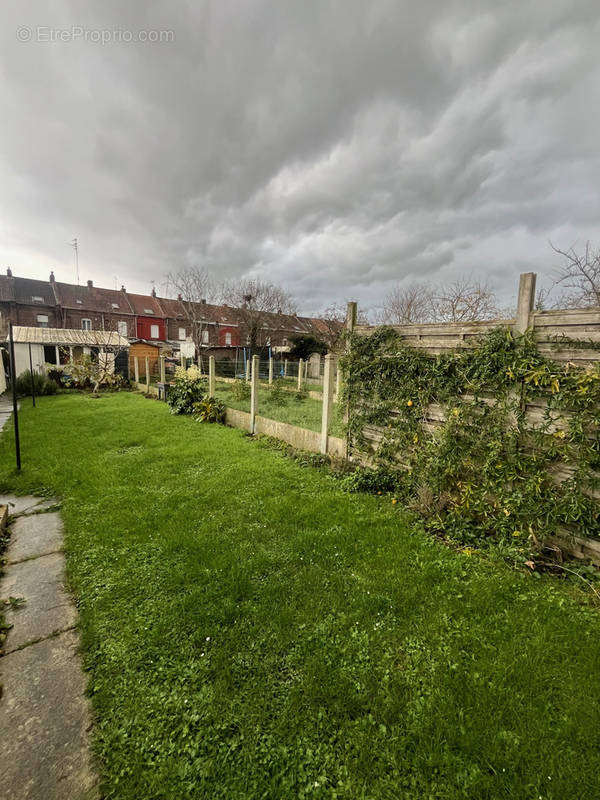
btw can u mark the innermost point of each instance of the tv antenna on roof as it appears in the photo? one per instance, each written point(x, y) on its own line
point(75, 247)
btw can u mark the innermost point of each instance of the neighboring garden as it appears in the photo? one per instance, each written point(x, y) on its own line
point(250, 630)
point(278, 401)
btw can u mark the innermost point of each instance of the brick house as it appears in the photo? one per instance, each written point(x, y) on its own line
point(218, 329)
point(91, 308)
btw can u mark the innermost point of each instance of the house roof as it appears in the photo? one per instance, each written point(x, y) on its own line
point(171, 308)
point(92, 298)
point(68, 336)
point(26, 290)
point(145, 305)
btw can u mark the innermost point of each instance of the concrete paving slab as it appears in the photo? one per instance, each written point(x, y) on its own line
point(47, 608)
point(35, 535)
point(44, 724)
point(16, 505)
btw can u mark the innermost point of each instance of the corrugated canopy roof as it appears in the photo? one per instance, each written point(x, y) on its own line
point(68, 336)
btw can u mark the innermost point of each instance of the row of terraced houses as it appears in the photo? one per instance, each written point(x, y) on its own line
point(52, 304)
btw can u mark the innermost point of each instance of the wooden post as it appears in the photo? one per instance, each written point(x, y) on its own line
point(351, 315)
point(254, 392)
point(162, 369)
point(270, 371)
point(328, 384)
point(247, 370)
point(211, 376)
point(147, 374)
point(136, 367)
point(300, 368)
point(285, 368)
point(525, 302)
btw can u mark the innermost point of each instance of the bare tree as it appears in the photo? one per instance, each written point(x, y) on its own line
point(579, 277)
point(332, 324)
point(254, 301)
point(464, 301)
point(406, 305)
point(195, 288)
point(460, 301)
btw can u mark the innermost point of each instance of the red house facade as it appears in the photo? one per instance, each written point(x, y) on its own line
point(151, 328)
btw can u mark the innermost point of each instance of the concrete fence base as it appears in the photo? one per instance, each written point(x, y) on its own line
point(301, 438)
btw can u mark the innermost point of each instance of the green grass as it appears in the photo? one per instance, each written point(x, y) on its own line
point(305, 413)
point(252, 632)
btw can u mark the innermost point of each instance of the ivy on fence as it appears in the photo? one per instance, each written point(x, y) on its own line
point(455, 435)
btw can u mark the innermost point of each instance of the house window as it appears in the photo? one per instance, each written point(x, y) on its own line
point(86, 324)
point(204, 337)
point(80, 302)
point(154, 332)
point(227, 338)
point(37, 299)
point(285, 342)
point(115, 305)
point(182, 334)
point(42, 321)
point(50, 354)
point(122, 327)
point(148, 311)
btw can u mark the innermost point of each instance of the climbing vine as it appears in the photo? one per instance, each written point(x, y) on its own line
point(497, 442)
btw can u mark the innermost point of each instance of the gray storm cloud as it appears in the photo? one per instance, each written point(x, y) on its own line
point(334, 147)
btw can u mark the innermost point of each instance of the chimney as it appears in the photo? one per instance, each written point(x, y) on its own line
point(122, 288)
point(203, 301)
point(90, 284)
point(153, 292)
point(180, 296)
point(52, 276)
point(9, 272)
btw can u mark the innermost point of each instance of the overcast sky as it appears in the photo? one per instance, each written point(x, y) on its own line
point(336, 148)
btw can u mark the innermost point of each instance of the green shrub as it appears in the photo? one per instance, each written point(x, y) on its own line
point(41, 384)
point(187, 389)
point(364, 479)
point(277, 395)
point(209, 409)
point(240, 390)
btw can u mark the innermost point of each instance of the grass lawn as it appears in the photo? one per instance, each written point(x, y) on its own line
point(252, 632)
point(305, 413)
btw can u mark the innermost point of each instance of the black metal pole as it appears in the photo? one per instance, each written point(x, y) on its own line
point(32, 381)
point(13, 380)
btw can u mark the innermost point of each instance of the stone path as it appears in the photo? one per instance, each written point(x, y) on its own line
point(44, 715)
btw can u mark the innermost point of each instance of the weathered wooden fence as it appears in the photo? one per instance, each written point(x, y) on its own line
point(567, 336)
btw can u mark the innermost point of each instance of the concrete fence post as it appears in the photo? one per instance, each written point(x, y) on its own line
point(328, 384)
point(211, 376)
point(351, 317)
point(270, 371)
point(147, 374)
point(162, 370)
point(300, 370)
point(247, 370)
point(338, 383)
point(525, 302)
point(285, 368)
point(254, 392)
point(182, 359)
point(136, 368)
